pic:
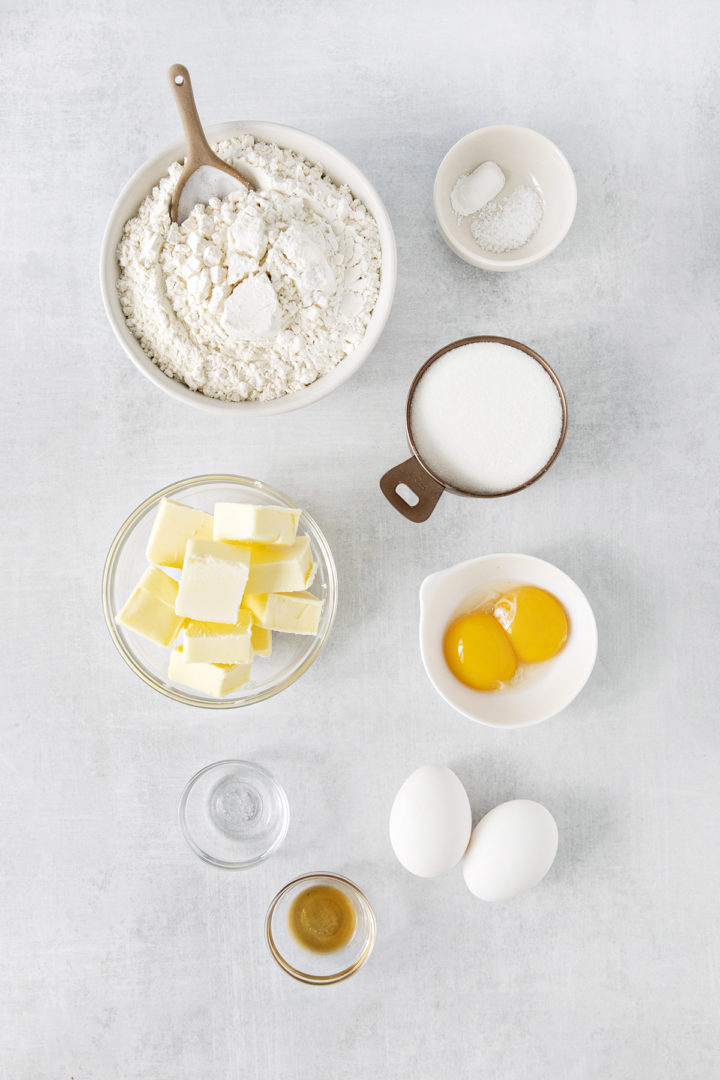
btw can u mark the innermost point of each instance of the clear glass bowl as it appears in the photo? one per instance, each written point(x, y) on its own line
point(292, 654)
point(311, 967)
point(234, 814)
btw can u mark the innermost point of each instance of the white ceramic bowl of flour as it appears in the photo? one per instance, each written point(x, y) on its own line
point(341, 171)
point(528, 159)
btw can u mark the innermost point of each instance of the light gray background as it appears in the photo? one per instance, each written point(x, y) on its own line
point(123, 955)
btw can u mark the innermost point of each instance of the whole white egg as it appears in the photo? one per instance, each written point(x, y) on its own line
point(511, 850)
point(430, 821)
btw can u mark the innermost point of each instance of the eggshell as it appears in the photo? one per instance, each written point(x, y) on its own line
point(430, 821)
point(511, 850)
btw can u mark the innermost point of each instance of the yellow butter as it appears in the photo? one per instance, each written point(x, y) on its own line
point(293, 613)
point(173, 526)
point(149, 610)
point(218, 643)
point(159, 584)
point(278, 568)
point(213, 581)
point(244, 523)
point(217, 680)
point(261, 640)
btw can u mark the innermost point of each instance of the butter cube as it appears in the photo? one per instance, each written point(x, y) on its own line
point(213, 581)
point(293, 613)
point(218, 643)
point(159, 584)
point(255, 524)
point(150, 609)
point(261, 640)
point(276, 568)
point(173, 526)
point(217, 680)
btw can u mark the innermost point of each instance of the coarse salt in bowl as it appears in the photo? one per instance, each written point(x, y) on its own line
point(341, 171)
point(528, 159)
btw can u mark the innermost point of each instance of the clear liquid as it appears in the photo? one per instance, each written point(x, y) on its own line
point(236, 808)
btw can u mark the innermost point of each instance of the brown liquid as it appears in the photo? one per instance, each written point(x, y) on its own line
point(322, 918)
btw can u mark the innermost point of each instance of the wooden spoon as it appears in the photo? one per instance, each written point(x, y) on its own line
point(199, 154)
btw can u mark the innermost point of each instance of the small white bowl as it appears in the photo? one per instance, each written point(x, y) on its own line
point(339, 169)
point(522, 154)
point(548, 687)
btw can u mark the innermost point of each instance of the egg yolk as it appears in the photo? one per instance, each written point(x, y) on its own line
point(478, 651)
point(535, 620)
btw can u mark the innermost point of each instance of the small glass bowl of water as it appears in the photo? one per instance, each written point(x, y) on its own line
point(234, 814)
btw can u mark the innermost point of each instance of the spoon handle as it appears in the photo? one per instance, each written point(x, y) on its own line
point(198, 150)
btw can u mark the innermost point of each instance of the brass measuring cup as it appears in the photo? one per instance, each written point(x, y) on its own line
point(416, 475)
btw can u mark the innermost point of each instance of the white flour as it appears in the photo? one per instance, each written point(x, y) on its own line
point(256, 295)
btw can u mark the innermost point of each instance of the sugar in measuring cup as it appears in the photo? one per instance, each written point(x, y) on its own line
point(486, 416)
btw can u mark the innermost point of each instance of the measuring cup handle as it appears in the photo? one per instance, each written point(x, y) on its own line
point(420, 483)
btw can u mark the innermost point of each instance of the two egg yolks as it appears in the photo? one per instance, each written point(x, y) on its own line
point(525, 625)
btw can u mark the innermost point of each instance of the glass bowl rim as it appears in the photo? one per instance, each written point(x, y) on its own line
point(303, 976)
point(225, 864)
point(207, 480)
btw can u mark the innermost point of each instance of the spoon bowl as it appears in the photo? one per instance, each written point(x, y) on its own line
point(204, 174)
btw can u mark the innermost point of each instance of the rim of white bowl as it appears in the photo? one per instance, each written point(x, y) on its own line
point(475, 257)
point(327, 156)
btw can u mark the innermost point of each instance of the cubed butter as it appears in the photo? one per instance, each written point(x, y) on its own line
point(217, 680)
point(150, 609)
point(159, 584)
point(261, 640)
point(218, 643)
point(173, 526)
point(213, 581)
point(276, 568)
point(255, 524)
point(293, 613)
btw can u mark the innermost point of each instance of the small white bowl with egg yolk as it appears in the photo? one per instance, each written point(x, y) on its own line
point(538, 690)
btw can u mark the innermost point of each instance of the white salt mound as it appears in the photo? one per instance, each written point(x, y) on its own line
point(486, 417)
point(509, 221)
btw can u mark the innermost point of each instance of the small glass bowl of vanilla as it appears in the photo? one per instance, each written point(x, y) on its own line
point(320, 928)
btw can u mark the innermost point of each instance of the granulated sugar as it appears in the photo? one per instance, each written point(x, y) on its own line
point(509, 221)
point(486, 417)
